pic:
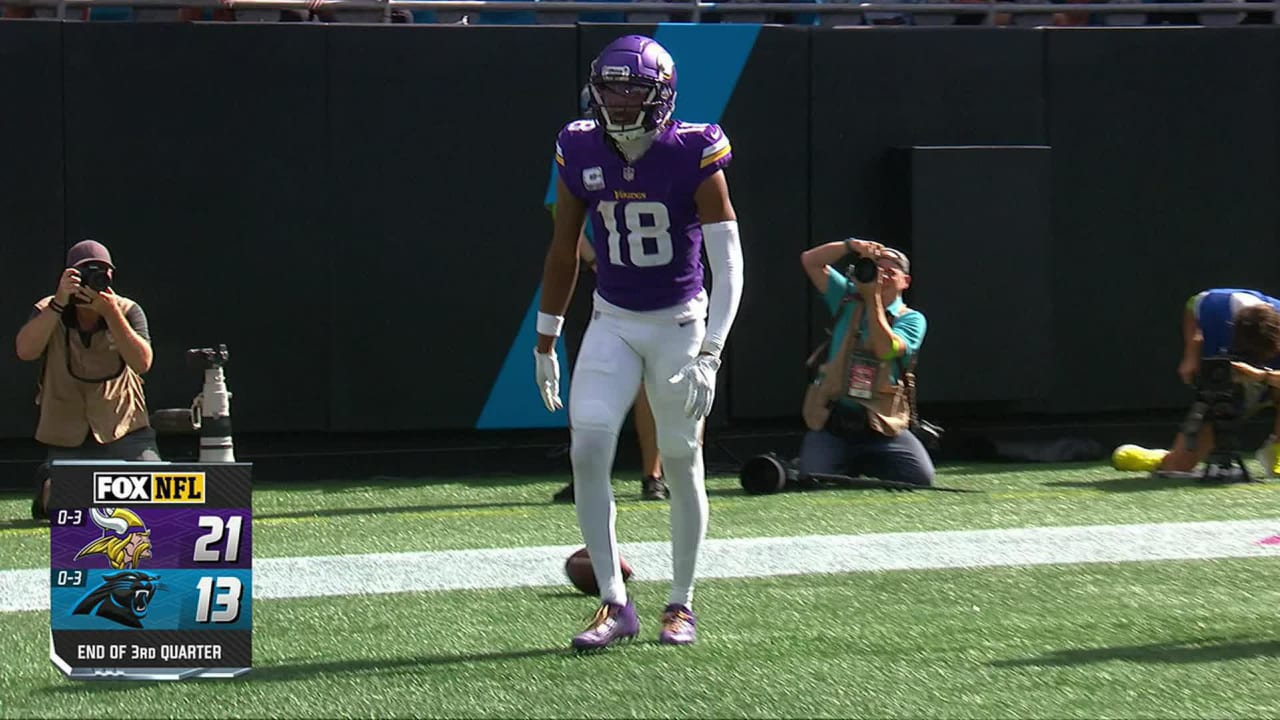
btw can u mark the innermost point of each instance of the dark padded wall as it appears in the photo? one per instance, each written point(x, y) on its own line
point(981, 240)
point(768, 121)
point(441, 154)
point(891, 88)
point(1165, 183)
point(31, 250)
point(358, 211)
point(873, 91)
point(197, 154)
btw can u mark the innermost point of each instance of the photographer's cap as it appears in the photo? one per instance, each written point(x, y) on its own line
point(898, 257)
point(87, 251)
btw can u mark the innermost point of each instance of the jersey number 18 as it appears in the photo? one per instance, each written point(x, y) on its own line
point(648, 231)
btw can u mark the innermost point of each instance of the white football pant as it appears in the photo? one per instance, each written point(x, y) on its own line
point(619, 351)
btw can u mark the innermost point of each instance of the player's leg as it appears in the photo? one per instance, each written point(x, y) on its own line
point(577, 318)
point(652, 486)
point(1181, 458)
point(602, 389)
point(680, 446)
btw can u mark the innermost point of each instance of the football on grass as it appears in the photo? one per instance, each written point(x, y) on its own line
point(578, 569)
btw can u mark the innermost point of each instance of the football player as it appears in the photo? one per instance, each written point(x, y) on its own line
point(654, 190)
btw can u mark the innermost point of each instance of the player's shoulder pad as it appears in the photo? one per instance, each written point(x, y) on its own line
point(707, 140)
point(571, 135)
point(700, 135)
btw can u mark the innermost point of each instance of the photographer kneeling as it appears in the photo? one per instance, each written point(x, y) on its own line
point(857, 410)
point(94, 347)
point(1243, 325)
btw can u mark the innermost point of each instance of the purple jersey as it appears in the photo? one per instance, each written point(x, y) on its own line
point(645, 228)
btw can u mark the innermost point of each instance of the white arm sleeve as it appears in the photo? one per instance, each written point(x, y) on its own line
point(724, 255)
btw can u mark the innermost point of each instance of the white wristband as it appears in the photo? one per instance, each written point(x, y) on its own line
point(550, 324)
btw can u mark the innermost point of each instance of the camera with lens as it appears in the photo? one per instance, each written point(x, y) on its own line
point(1219, 402)
point(1218, 396)
point(207, 358)
point(864, 270)
point(95, 275)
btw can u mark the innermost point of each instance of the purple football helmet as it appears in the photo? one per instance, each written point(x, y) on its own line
point(632, 87)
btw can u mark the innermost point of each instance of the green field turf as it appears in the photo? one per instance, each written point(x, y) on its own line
point(1171, 639)
point(399, 514)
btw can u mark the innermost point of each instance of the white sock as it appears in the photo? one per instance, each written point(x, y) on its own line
point(686, 480)
point(592, 452)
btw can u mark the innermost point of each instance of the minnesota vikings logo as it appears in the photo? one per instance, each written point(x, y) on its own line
point(125, 538)
point(123, 598)
point(666, 66)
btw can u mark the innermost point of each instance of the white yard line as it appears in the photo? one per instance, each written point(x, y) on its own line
point(381, 573)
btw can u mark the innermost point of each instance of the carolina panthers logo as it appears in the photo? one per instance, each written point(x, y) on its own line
point(122, 598)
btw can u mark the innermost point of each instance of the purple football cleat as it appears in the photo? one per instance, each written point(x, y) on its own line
point(612, 623)
point(677, 626)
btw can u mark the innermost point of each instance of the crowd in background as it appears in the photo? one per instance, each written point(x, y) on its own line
point(1077, 15)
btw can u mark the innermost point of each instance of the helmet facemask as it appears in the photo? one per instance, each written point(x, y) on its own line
point(630, 109)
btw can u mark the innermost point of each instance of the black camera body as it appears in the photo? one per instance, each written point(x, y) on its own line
point(95, 275)
point(1219, 402)
point(864, 270)
point(207, 358)
point(1219, 399)
point(1216, 376)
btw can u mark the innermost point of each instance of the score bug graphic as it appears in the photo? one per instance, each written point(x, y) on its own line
point(151, 569)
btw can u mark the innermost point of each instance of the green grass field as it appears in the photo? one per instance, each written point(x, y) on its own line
point(1167, 639)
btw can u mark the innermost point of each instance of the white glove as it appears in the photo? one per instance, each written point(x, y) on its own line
point(548, 372)
point(700, 376)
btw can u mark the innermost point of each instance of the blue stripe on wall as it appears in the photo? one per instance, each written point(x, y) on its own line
point(709, 60)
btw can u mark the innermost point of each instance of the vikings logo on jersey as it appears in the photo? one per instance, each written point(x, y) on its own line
point(125, 538)
point(121, 598)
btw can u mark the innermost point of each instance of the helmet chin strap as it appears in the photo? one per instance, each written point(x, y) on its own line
point(633, 143)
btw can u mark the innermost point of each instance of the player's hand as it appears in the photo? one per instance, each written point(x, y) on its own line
point(700, 379)
point(1187, 368)
point(547, 368)
point(68, 284)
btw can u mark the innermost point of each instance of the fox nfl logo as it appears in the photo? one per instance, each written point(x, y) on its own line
point(147, 488)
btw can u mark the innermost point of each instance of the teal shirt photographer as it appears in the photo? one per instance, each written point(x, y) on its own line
point(841, 297)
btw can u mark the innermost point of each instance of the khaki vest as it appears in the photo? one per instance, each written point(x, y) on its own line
point(888, 410)
point(70, 408)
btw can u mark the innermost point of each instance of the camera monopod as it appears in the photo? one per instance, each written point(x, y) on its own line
point(766, 475)
point(211, 409)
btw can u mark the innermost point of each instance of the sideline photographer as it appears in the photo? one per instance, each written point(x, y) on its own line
point(94, 347)
point(1231, 337)
point(858, 409)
